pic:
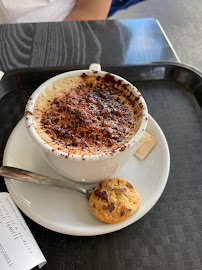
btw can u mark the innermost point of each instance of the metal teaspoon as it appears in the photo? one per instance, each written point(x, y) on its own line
point(35, 178)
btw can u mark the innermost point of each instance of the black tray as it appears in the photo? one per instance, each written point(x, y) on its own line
point(170, 235)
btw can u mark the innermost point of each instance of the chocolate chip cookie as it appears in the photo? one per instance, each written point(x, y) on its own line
point(114, 200)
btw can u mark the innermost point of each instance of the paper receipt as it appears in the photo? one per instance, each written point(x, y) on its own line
point(18, 248)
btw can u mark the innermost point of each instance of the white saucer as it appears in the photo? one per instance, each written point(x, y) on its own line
point(67, 212)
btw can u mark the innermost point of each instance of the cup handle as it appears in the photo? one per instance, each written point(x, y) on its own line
point(95, 67)
point(1, 74)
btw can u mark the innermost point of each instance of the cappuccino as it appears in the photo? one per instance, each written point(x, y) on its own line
point(87, 115)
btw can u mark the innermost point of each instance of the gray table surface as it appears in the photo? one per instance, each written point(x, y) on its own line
point(181, 21)
point(111, 43)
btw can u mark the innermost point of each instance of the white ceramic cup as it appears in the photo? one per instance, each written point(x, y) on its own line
point(90, 168)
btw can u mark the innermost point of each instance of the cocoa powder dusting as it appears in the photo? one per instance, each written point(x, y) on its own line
point(83, 76)
point(28, 113)
point(92, 118)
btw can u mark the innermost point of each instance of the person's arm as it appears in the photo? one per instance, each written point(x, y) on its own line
point(90, 10)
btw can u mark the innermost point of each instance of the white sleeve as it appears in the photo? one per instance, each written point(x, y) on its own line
point(34, 10)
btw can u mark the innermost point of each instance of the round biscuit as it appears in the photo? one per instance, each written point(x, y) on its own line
point(114, 200)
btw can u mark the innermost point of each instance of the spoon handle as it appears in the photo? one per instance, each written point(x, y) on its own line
point(31, 177)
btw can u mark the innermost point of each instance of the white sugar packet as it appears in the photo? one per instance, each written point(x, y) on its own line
point(18, 248)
